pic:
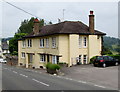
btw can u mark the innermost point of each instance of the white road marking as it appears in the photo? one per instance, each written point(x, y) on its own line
point(41, 82)
point(99, 86)
point(82, 81)
point(14, 72)
point(23, 75)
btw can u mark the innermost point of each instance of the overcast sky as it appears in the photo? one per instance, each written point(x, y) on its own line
point(106, 14)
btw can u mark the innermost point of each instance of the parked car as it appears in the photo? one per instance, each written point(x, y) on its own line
point(2, 60)
point(105, 61)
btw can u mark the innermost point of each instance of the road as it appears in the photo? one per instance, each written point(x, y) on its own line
point(16, 78)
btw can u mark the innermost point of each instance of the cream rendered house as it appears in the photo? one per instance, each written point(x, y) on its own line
point(67, 41)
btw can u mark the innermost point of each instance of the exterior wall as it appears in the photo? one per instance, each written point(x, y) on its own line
point(94, 45)
point(36, 50)
point(64, 48)
point(73, 48)
point(67, 47)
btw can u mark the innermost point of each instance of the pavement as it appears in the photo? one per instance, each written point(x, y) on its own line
point(16, 78)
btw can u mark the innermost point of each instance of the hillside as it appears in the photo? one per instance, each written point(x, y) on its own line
point(112, 43)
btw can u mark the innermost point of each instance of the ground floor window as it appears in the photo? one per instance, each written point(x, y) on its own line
point(80, 58)
point(84, 59)
point(55, 59)
point(42, 58)
point(23, 55)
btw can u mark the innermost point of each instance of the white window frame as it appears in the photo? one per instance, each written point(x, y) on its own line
point(54, 59)
point(80, 41)
point(53, 42)
point(29, 42)
point(85, 42)
point(84, 59)
point(47, 42)
point(23, 43)
point(23, 55)
point(41, 43)
point(42, 58)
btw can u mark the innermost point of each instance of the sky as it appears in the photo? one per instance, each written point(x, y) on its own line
point(106, 14)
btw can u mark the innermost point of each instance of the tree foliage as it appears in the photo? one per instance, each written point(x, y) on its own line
point(13, 43)
point(111, 44)
point(25, 28)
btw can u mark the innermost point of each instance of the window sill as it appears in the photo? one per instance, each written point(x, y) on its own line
point(41, 47)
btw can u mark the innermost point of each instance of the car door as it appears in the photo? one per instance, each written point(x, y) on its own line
point(106, 60)
point(111, 60)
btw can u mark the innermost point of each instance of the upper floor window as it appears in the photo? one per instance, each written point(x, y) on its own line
point(23, 55)
point(23, 43)
point(42, 58)
point(47, 42)
point(85, 42)
point(80, 41)
point(41, 43)
point(53, 42)
point(29, 43)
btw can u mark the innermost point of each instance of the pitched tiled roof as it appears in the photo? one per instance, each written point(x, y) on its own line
point(66, 27)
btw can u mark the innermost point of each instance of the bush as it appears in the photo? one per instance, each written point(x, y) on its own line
point(92, 59)
point(115, 56)
point(52, 66)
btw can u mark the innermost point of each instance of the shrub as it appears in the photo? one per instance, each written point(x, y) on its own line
point(52, 66)
point(115, 56)
point(92, 59)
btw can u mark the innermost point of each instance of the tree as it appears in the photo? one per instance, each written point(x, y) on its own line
point(106, 51)
point(13, 43)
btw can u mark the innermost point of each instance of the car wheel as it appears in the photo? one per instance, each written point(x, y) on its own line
point(104, 65)
point(116, 63)
point(95, 65)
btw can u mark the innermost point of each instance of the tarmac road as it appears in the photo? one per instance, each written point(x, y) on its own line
point(16, 78)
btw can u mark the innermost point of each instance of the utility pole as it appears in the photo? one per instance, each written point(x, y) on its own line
point(63, 14)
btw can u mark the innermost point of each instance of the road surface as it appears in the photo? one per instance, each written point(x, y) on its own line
point(16, 78)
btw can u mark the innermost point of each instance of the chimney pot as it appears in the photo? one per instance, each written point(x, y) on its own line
point(36, 20)
point(91, 12)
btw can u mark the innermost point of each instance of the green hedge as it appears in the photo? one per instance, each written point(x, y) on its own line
point(92, 59)
point(115, 56)
point(52, 66)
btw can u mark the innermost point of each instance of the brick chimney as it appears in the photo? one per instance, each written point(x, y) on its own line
point(36, 26)
point(91, 23)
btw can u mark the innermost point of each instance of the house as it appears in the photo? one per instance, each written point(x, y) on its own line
point(5, 47)
point(69, 42)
